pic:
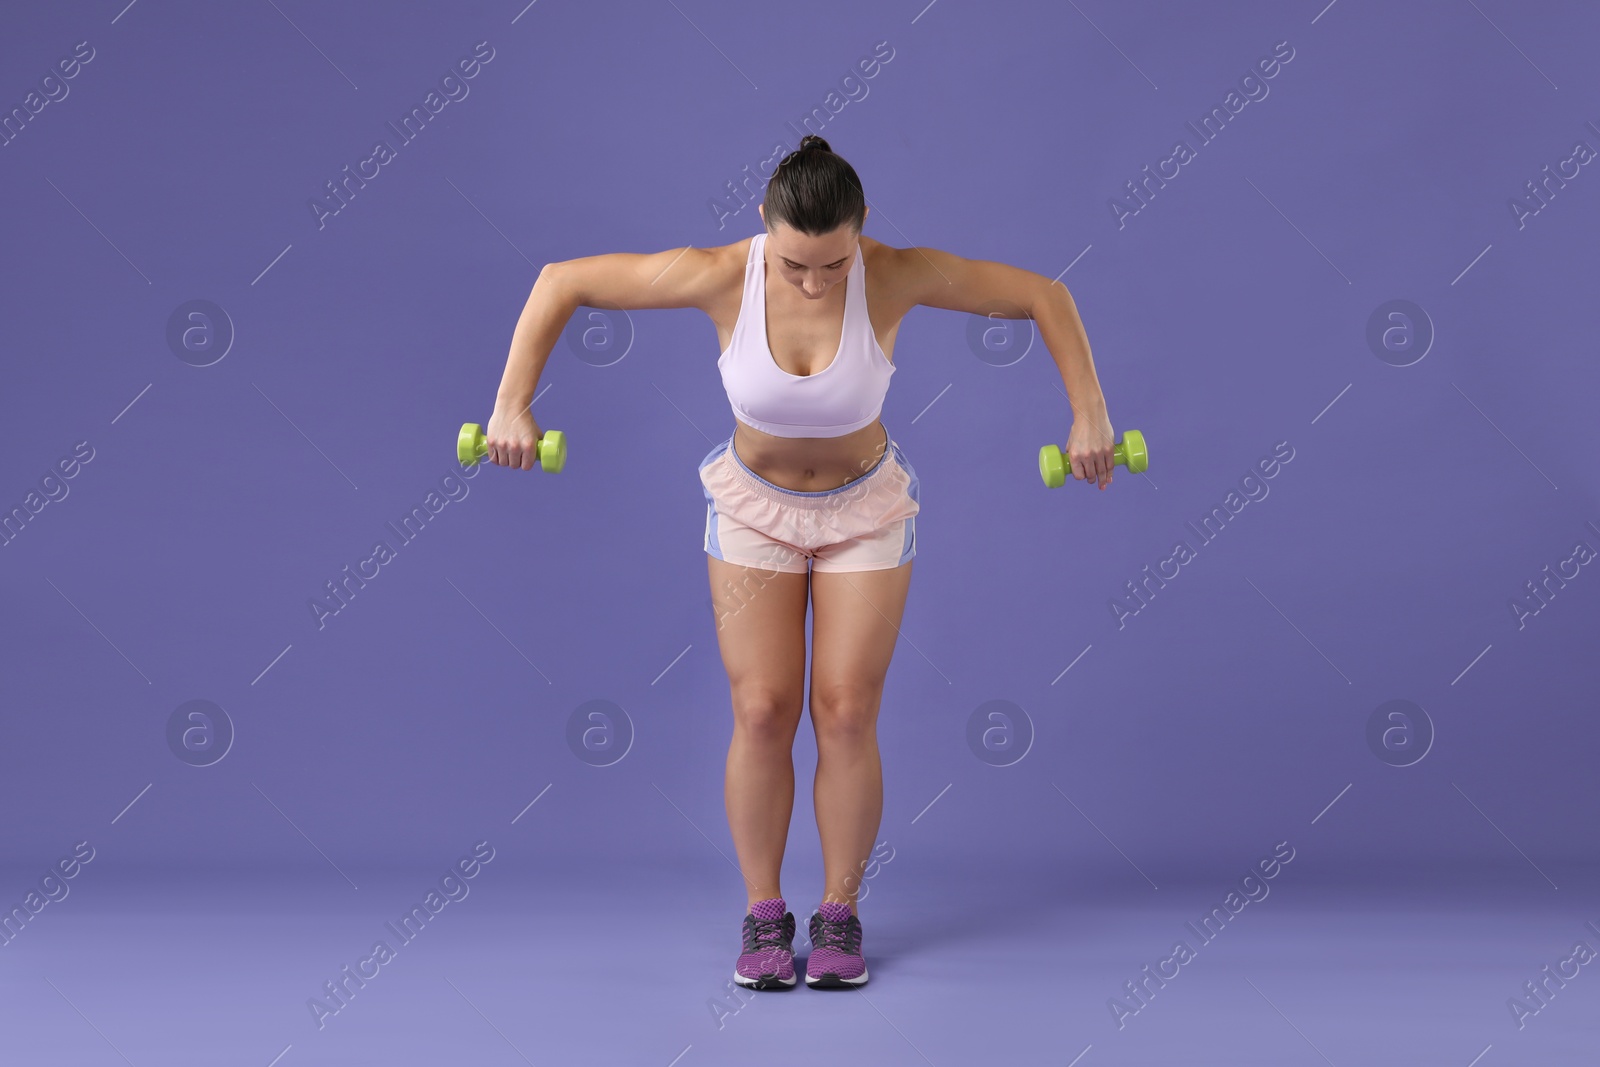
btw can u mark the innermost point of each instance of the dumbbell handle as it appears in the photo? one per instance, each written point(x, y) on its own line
point(551, 448)
point(1131, 452)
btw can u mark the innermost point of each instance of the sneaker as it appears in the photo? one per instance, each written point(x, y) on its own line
point(835, 961)
point(767, 961)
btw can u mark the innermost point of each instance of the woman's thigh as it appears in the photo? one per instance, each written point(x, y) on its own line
point(855, 622)
point(761, 619)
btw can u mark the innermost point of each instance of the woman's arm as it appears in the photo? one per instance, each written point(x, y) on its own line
point(999, 290)
point(680, 277)
point(543, 317)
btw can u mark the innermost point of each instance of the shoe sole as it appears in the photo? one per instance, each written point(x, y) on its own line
point(766, 981)
point(829, 980)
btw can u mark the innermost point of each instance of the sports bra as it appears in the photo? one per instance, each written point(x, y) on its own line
point(840, 398)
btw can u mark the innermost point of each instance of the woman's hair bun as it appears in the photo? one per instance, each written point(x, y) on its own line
point(814, 190)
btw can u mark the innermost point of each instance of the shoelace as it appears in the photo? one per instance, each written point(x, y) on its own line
point(764, 933)
point(836, 934)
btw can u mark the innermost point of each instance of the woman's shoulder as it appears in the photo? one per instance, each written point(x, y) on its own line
point(885, 261)
point(892, 270)
point(730, 259)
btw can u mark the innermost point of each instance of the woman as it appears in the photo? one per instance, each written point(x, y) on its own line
point(809, 476)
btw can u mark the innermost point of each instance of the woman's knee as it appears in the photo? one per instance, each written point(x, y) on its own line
point(844, 713)
point(765, 715)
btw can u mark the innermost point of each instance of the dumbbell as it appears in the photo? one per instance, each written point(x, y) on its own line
point(471, 447)
point(1130, 451)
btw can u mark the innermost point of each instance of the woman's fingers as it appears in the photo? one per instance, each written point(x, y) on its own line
point(1094, 467)
point(530, 445)
point(513, 440)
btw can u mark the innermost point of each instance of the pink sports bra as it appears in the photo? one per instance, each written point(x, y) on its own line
point(840, 398)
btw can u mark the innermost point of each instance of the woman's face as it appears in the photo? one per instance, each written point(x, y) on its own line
point(811, 264)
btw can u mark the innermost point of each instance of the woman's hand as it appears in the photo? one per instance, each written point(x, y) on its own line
point(1089, 447)
point(513, 437)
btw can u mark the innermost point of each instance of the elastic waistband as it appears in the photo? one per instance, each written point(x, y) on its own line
point(798, 498)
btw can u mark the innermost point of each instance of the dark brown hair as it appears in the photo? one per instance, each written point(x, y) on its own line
point(815, 191)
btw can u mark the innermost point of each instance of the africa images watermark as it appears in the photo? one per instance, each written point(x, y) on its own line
point(342, 590)
point(750, 187)
point(1141, 191)
point(412, 123)
point(1542, 591)
point(52, 889)
point(339, 991)
point(1255, 489)
point(53, 89)
point(1538, 994)
point(1252, 888)
point(1540, 191)
point(53, 486)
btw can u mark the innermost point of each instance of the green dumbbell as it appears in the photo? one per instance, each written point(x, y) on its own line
point(471, 447)
point(1130, 452)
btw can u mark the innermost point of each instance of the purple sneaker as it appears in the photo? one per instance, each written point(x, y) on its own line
point(767, 961)
point(835, 961)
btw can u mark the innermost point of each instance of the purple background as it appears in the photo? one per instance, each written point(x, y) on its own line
point(1230, 313)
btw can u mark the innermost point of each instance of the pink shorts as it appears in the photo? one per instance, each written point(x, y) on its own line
point(864, 525)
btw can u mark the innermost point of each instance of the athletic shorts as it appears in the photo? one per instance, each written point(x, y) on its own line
point(864, 525)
